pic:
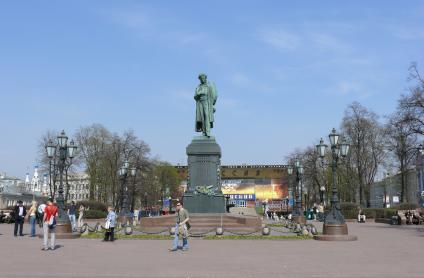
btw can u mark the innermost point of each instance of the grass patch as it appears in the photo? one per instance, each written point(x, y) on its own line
point(256, 237)
point(120, 236)
point(210, 237)
point(276, 225)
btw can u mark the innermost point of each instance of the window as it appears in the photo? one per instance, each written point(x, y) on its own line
point(242, 203)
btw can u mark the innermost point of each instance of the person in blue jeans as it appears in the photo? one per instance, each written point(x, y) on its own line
point(33, 217)
point(72, 210)
point(180, 228)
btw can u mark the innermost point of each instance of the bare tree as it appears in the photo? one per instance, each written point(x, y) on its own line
point(412, 105)
point(365, 133)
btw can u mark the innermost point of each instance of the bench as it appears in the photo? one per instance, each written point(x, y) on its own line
point(410, 217)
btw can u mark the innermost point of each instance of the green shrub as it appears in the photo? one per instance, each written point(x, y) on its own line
point(370, 212)
point(349, 210)
point(379, 212)
point(94, 214)
point(406, 206)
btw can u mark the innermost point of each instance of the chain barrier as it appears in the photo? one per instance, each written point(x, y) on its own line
point(292, 227)
point(241, 234)
point(201, 234)
point(151, 233)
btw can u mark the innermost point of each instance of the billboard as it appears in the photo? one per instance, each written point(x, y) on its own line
point(258, 189)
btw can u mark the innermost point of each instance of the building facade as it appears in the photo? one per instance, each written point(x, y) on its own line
point(13, 189)
point(387, 192)
point(79, 187)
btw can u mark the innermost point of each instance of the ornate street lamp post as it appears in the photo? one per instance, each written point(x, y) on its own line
point(297, 214)
point(66, 154)
point(123, 173)
point(334, 227)
point(133, 173)
point(287, 205)
point(321, 194)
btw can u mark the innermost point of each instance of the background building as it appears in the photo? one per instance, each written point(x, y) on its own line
point(387, 192)
point(13, 189)
point(79, 187)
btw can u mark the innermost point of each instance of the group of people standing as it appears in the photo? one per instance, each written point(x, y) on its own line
point(72, 210)
point(45, 215)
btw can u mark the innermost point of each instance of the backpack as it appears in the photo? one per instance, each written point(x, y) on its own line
point(52, 222)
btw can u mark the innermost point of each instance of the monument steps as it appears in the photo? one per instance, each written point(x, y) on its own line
point(204, 221)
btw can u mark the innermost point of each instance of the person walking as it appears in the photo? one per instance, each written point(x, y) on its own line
point(19, 213)
point(49, 226)
point(33, 217)
point(110, 225)
point(180, 228)
point(40, 214)
point(81, 215)
point(72, 210)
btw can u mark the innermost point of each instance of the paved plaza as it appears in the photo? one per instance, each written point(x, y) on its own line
point(381, 251)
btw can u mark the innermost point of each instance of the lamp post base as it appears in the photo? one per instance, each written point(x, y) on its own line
point(335, 232)
point(299, 219)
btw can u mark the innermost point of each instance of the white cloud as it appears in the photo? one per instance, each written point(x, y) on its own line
point(329, 42)
point(350, 88)
point(405, 33)
point(135, 19)
point(279, 39)
point(240, 79)
point(227, 103)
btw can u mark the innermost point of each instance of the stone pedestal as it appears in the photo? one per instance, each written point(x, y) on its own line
point(204, 161)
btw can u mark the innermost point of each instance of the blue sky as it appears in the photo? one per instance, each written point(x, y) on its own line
point(285, 70)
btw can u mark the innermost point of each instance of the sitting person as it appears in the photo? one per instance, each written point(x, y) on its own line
point(361, 216)
point(417, 218)
point(408, 216)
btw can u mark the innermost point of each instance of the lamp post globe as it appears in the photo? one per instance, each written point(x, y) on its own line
point(51, 149)
point(344, 148)
point(289, 169)
point(133, 171)
point(297, 163)
point(62, 139)
point(301, 169)
point(321, 147)
point(334, 138)
point(71, 149)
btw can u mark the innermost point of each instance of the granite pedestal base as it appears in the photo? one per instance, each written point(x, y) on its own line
point(203, 194)
point(199, 203)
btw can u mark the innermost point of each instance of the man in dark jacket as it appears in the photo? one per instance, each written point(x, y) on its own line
point(19, 213)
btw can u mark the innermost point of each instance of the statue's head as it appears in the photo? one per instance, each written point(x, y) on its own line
point(202, 78)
